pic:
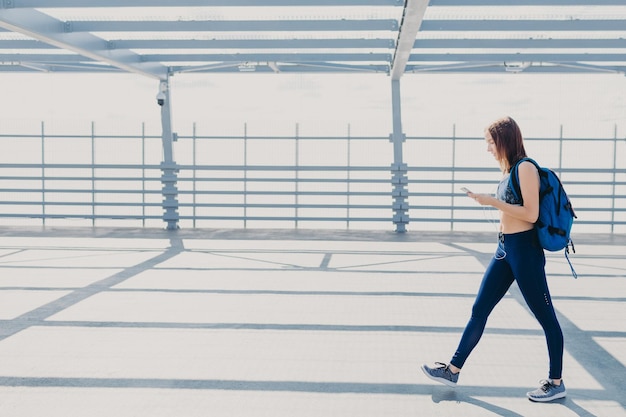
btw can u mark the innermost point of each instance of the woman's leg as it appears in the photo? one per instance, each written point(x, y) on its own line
point(496, 282)
point(529, 270)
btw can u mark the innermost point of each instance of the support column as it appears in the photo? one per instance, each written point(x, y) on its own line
point(399, 178)
point(169, 168)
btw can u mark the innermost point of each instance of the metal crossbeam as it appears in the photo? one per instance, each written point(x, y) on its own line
point(466, 3)
point(489, 67)
point(523, 25)
point(271, 57)
point(46, 29)
point(157, 47)
point(519, 57)
point(588, 44)
point(233, 25)
point(308, 67)
point(414, 11)
point(198, 3)
point(254, 44)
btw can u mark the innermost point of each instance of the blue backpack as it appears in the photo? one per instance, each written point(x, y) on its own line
point(556, 214)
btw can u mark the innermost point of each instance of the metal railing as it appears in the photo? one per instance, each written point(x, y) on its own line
point(292, 181)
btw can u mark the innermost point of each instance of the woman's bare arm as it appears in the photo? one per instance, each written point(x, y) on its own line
point(529, 184)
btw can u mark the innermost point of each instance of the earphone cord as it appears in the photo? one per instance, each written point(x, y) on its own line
point(500, 251)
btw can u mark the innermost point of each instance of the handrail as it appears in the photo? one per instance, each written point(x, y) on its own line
point(292, 192)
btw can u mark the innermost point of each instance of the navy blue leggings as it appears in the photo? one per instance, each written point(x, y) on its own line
point(519, 257)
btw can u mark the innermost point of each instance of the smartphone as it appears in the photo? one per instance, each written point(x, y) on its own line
point(465, 190)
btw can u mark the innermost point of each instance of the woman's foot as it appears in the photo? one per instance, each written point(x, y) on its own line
point(441, 373)
point(548, 391)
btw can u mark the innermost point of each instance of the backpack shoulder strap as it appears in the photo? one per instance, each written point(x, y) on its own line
point(514, 177)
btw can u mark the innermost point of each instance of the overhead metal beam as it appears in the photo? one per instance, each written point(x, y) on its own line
point(57, 59)
point(519, 57)
point(337, 44)
point(229, 67)
point(198, 3)
point(519, 43)
point(203, 68)
point(83, 50)
point(253, 44)
point(329, 68)
point(45, 58)
point(489, 67)
point(284, 67)
point(49, 30)
point(36, 67)
point(233, 25)
point(592, 68)
point(334, 67)
point(296, 3)
point(210, 58)
point(274, 66)
point(523, 25)
point(77, 67)
point(24, 44)
point(411, 20)
point(273, 57)
point(466, 3)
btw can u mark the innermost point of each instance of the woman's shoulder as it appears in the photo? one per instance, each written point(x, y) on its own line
point(525, 165)
point(527, 172)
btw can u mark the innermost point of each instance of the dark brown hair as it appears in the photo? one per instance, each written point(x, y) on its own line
point(508, 140)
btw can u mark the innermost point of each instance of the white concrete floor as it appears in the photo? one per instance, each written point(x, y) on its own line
point(144, 322)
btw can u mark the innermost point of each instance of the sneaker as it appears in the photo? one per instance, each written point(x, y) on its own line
point(547, 392)
point(441, 373)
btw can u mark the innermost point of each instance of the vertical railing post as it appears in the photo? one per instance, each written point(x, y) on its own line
point(143, 174)
point(245, 175)
point(195, 168)
point(169, 168)
point(560, 150)
point(297, 173)
point(93, 174)
point(43, 174)
point(614, 179)
point(399, 169)
point(453, 183)
point(348, 180)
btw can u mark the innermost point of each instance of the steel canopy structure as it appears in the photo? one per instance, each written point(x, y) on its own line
point(160, 38)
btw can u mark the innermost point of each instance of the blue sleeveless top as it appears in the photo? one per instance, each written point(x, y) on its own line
point(505, 193)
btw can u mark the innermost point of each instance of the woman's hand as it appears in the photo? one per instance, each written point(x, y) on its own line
point(482, 199)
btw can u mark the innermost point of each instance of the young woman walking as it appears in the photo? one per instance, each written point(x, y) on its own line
point(518, 257)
